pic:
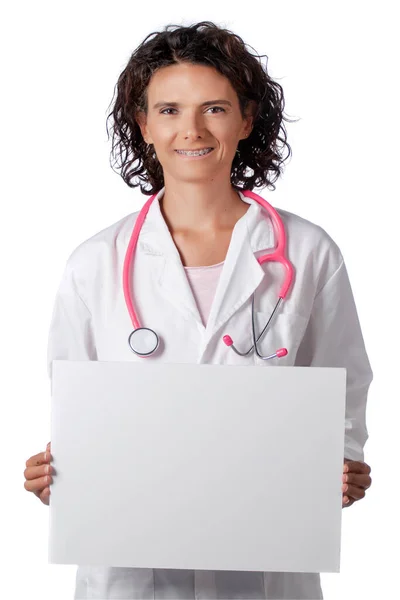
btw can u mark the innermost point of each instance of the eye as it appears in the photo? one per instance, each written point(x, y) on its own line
point(219, 108)
point(162, 112)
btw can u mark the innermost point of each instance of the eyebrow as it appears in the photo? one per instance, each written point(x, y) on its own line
point(207, 103)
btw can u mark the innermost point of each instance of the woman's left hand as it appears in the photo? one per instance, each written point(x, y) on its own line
point(356, 480)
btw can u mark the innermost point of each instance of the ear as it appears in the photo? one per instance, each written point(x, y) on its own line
point(248, 121)
point(141, 119)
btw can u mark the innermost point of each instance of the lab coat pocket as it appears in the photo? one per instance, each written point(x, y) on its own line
point(286, 330)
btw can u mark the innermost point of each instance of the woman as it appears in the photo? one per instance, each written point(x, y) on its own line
point(197, 121)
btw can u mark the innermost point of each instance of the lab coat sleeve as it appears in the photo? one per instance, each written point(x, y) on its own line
point(333, 338)
point(71, 335)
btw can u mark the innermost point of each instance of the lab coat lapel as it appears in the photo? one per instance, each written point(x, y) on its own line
point(156, 241)
point(241, 273)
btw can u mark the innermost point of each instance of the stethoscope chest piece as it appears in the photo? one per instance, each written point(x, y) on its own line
point(143, 341)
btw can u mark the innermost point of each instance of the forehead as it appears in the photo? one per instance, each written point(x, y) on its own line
point(188, 83)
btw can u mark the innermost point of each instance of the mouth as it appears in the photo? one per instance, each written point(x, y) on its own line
point(195, 153)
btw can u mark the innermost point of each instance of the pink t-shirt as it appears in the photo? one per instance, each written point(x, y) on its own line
point(203, 283)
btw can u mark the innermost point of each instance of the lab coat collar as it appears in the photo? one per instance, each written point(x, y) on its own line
point(241, 273)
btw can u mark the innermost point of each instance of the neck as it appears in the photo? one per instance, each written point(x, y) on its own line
point(209, 206)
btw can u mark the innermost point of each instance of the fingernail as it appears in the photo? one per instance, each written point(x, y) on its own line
point(347, 501)
point(46, 456)
point(346, 478)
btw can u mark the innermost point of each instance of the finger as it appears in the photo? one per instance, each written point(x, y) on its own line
point(35, 472)
point(356, 466)
point(353, 491)
point(45, 496)
point(346, 501)
point(362, 481)
point(38, 484)
point(39, 459)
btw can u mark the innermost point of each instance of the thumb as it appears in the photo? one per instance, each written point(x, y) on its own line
point(48, 446)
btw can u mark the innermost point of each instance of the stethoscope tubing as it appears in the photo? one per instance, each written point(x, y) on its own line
point(278, 255)
point(129, 258)
point(255, 341)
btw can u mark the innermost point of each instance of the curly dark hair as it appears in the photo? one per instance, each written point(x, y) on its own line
point(207, 44)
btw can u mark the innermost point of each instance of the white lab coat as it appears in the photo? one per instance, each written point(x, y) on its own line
point(317, 322)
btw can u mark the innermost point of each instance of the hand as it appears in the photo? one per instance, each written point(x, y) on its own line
point(37, 477)
point(356, 480)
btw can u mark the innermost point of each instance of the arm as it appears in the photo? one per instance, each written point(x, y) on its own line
point(333, 338)
point(71, 334)
point(70, 337)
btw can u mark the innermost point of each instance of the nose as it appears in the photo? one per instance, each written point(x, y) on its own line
point(192, 127)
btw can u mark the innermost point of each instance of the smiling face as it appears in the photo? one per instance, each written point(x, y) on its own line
point(193, 107)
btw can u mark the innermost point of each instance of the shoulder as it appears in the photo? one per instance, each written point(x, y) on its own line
point(311, 247)
point(98, 259)
point(303, 231)
point(103, 244)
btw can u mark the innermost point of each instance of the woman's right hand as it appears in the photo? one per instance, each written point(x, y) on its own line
point(38, 475)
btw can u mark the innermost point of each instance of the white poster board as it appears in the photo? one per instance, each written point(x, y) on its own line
point(190, 466)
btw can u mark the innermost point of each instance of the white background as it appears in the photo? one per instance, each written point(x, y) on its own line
point(338, 65)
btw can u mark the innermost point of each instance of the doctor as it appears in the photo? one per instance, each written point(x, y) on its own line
point(198, 110)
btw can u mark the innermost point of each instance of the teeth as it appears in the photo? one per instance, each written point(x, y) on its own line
point(193, 153)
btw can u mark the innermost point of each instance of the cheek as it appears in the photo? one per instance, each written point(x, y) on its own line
point(230, 142)
point(229, 150)
point(164, 138)
point(162, 135)
point(164, 147)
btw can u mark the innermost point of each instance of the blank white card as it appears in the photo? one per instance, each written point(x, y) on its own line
point(188, 466)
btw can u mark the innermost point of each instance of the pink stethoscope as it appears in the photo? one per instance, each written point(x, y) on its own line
point(144, 341)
